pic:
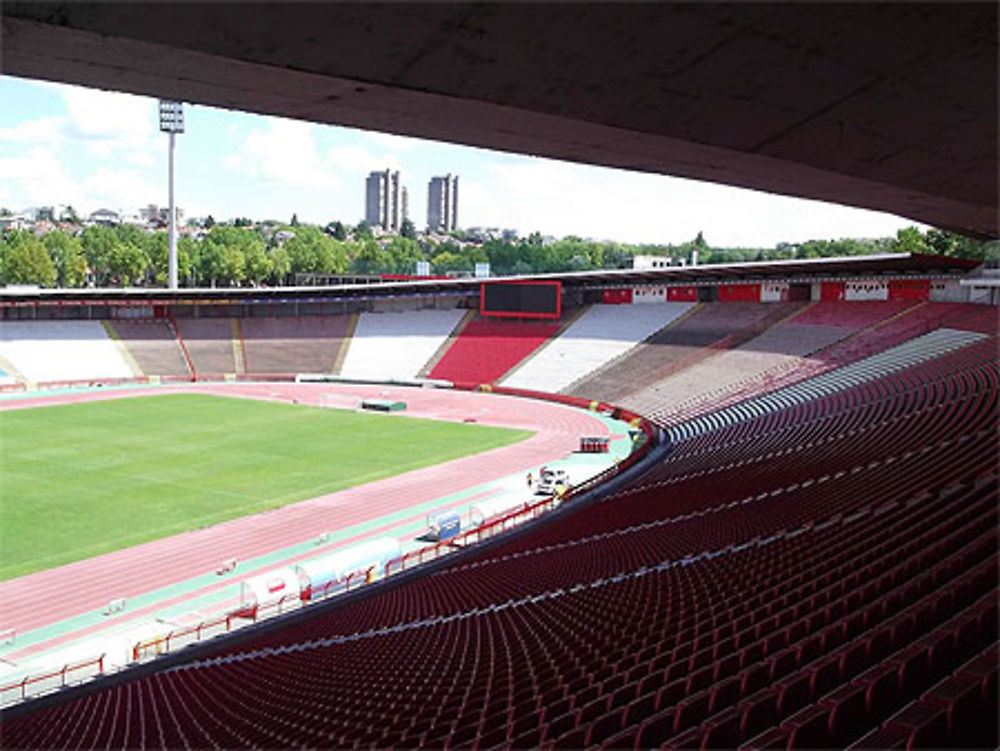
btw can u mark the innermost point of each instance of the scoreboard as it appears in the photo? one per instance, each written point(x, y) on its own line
point(531, 299)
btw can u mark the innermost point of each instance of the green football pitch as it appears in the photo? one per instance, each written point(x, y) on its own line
point(82, 479)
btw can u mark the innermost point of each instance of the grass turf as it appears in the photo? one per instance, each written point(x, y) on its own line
point(83, 479)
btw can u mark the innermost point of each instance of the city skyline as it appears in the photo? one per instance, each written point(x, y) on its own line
point(93, 149)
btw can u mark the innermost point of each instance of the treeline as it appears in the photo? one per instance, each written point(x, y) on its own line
point(229, 255)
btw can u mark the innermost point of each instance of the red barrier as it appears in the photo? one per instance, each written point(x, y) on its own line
point(910, 289)
point(739, 293)
point(682, 294)
point(831, 291)
point(620, 296)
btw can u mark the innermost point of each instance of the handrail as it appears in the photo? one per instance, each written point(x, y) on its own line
point(63, 674)
point(224, 623)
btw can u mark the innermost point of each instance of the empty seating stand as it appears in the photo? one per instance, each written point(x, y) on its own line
point(822, 574)
point(601, 334)
point(211, 343)
point(487, 348)
point(397, 345)
point(50, 351)
point(707, 329)
point(153, 346)
point(300, 344)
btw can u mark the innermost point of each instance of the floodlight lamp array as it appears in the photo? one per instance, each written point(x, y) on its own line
point(171, 116)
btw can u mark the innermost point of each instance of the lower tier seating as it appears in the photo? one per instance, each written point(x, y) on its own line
point(210, 344)
point(301, 344)
point(47, 351)
point(153, 346)
point(823, 575)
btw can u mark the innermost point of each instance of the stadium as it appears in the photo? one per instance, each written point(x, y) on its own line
point(743, 505)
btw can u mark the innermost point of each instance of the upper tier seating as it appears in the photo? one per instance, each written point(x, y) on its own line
point(487, 348)
point(817, 576)
point(934, 344)
point(912, 322)
point(209, 343)
point(851, 315)
point(397, 345)
point(61, 351)
point(153, 346)
point(782, 348)
point(709, 328)
point(306, 344)
point(601, 334)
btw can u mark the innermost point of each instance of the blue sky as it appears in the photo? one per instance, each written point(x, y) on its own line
point(94, 149)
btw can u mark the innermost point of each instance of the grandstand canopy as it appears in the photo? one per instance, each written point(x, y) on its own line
point(811, 269)
point(887, 106)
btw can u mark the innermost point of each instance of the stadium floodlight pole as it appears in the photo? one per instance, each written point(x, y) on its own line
point(172, 123)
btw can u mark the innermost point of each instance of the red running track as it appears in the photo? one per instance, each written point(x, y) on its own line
point(56, 594)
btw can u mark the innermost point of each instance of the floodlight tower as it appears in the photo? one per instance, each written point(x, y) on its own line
point(172, 122)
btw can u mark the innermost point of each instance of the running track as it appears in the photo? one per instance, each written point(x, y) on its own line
point(45, 597)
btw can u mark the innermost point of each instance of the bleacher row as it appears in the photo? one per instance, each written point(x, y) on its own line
point(671, 359)
point(818, 573)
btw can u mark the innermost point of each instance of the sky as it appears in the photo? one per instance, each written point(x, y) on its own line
point(93, 149)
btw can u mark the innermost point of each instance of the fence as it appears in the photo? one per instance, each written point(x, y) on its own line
point(32, 686)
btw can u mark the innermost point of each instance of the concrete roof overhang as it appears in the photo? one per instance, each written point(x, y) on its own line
point(887, 106)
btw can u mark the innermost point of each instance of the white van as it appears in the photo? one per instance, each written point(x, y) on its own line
point(549, 479)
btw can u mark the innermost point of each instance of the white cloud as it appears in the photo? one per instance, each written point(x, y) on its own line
point(561, 198)
point(40, 130)
point(112, 125)
point(35, 177)
point(283, 152)
point(355, 162)
point(392, 141)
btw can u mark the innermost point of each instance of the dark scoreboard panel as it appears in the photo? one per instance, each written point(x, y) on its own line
point(521, 299)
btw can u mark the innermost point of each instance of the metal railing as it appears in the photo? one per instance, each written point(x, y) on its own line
point(37, 685)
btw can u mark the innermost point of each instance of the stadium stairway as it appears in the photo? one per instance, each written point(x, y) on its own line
point(821, 574)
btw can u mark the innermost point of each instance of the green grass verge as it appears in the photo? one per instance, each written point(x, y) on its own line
point(78, 480)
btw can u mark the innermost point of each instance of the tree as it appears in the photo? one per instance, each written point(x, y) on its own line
point(371, 258)
point(408, 230)
point(363, 230)
point(69, 215)
point(97, 243)
point(26, 261)
point(337, 230)
point(257, 263)
point(67, 256)
point(405, 253)
point(311, 251)
point(909, 240)
point(295, 220)
point(188, 253)
point(209, 222)
point(281, 266)
point(127, 263)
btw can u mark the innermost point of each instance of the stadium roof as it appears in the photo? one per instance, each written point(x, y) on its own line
point(807, 269)
point(887, 106)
